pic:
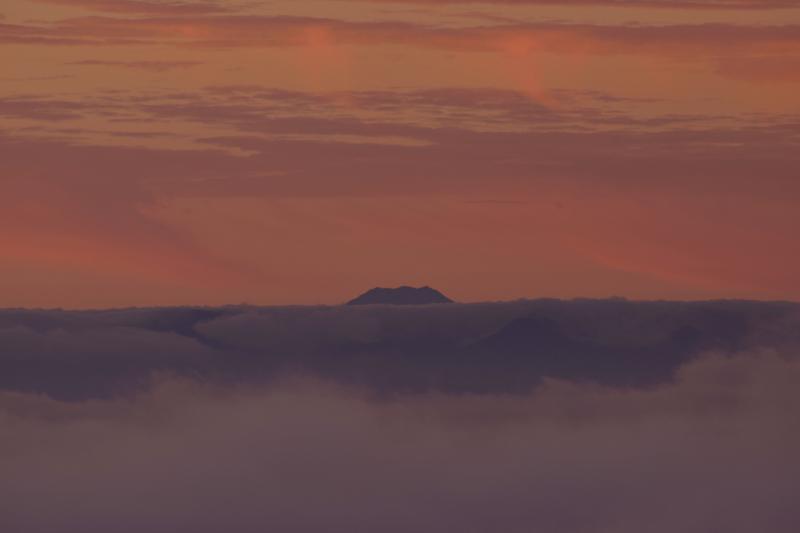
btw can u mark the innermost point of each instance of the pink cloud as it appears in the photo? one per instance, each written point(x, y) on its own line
point(147, 7)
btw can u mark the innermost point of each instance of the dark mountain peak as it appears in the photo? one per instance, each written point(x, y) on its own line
point(401, 296)
point(527, 334)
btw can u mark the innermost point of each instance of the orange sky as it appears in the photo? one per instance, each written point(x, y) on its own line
point(199, 152)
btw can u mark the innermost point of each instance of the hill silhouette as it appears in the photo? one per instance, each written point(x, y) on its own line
point(401, 296)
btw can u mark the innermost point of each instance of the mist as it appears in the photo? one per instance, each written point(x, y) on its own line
point(714, 451)
point(331, 419)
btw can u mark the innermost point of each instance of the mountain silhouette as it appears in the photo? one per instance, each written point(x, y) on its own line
point(401, 296)
point(532, 347)
point(525, 336)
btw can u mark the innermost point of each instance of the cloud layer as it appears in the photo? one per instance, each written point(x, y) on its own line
point(370, 418)
point(504, 348)
point(714, 451)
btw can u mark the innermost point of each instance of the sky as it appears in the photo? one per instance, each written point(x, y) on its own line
point(302, 151)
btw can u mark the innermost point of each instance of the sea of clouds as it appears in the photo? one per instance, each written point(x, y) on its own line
point(204, 421)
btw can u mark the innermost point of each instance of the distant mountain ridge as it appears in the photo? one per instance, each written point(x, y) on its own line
point(401, 296)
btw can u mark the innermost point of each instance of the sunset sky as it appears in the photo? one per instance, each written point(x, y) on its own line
point(302, 151)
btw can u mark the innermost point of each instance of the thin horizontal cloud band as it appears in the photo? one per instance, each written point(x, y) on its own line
point(585, 39)
point(662, 4)
point(206, 7)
